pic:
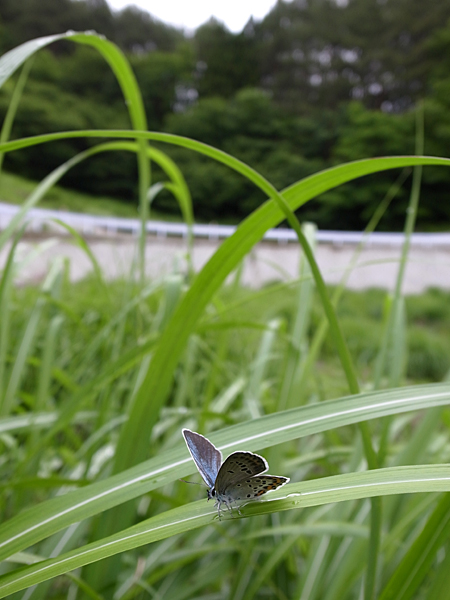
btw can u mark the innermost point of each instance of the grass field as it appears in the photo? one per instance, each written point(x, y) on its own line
point(81, 350)
point(347, 394)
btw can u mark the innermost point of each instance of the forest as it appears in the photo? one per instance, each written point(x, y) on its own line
point(314, 84)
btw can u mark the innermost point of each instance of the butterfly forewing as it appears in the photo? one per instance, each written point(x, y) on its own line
point(238, 467)
point(206, 456)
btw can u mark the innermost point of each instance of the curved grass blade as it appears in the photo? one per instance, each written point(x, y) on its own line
point(84, 246)
point(12, 106)
point(339, 488)
point(407, 578)
point(30, 421)
point(177, 183)
point(26, 344)
point(30, 526)
point(120, 66)
point(220, 265)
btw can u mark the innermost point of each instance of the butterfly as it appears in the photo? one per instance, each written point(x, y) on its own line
point(239, 478)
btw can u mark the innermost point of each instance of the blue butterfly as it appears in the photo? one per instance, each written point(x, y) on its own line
point(238, 479)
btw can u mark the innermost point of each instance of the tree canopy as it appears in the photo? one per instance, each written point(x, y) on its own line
point(314, 83)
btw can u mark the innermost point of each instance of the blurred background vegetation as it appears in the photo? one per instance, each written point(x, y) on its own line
point(96, 376)
point(314, 84)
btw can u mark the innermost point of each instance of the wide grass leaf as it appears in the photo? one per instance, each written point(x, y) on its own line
point(339, 488)
point(37, 523)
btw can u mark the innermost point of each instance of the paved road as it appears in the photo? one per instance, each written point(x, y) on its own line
point(377, 265)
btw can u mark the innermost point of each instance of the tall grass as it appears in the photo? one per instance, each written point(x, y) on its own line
point(97, 380)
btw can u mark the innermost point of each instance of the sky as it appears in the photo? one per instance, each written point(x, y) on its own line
point(189, 14)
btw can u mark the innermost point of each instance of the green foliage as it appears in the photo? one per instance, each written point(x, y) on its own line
point(431, 310)
point(428, 355)
point(97, 379)
point(15, 189)
point(133, 29)
point(324, 53)
point(250, 127)
point(309, 86)
point(44, 107)
point(136, 31)
point(160, 75)
point(94, 331)
point(227, 62)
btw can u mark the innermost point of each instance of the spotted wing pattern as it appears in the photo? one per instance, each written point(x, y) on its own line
point(238, 467)
point(254, 487)
point(248, 489)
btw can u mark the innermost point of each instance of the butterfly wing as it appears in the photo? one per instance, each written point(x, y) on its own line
point(253, 487)
point(205, 455)
point(238, 467)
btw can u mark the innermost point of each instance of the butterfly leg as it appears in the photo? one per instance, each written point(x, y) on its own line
point(236, 507)
point(219, 512)
point(229, 505)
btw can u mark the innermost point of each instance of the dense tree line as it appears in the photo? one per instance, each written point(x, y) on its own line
point(315, 83)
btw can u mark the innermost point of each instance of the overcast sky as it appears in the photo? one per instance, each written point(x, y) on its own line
point(189, 14)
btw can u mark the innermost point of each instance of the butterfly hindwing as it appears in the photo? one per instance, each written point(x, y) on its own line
point(253, 487)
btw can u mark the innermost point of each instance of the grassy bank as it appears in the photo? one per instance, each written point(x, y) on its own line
point(15, 189)
point(76, 353)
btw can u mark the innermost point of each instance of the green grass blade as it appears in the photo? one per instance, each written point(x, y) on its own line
point(252, 395)
point(394, 317)
point(339, 488)
point(27, 528)
point(30, 421)
point(414, 451)
point(406, 581)
point(314, 571)
point(158, 380)
point(6, 283)
point(12, 107)
point(177, 186)
point(411, 214)
point(81, 243)
point(222, 263)
point(297, 347)
point(319, 336)
point(438, 589)
point(120, 66)
point(12, 60)
point(27, 342)
point(397, 342)
point(265, 569)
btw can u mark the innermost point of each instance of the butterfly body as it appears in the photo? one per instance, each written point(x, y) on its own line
point(240, 478)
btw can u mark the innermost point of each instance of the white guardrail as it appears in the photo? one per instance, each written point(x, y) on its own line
point(39, 218)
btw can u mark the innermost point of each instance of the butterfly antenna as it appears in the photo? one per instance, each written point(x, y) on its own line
point(193, 482)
